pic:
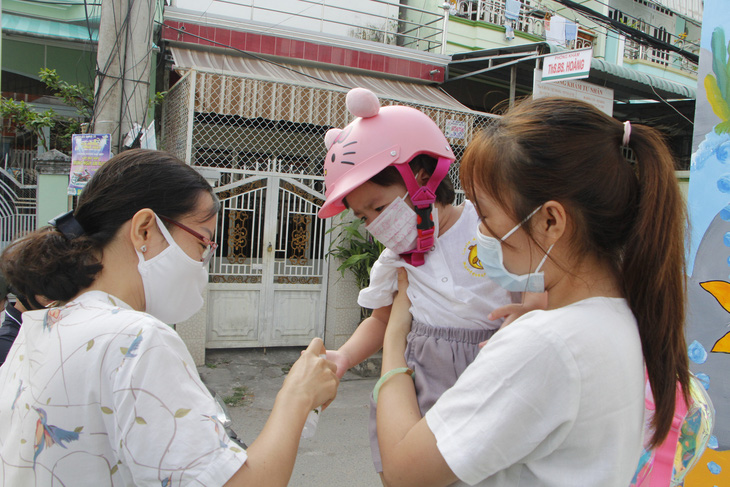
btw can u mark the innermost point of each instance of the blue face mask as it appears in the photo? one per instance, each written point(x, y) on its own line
point(489, 252)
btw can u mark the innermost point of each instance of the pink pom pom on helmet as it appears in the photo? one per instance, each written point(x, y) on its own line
point(362, 103)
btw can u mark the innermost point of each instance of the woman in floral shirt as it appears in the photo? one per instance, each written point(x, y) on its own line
point(98, 390)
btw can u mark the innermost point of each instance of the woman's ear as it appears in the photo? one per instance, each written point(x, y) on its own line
point(142, 222)
point(551, 221)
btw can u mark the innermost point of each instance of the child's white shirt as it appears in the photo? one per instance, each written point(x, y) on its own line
point(449, 289)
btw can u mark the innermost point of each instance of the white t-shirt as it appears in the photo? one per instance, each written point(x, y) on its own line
point(554, 399)
point(120, 397)
point(450, 289)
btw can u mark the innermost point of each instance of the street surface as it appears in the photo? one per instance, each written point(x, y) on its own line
point(339, 453)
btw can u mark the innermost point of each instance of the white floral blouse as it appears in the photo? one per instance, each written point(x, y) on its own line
point(95, 393)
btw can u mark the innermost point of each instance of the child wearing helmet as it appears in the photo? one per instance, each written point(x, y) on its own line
point(389, 166)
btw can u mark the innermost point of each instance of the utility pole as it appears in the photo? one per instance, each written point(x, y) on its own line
point(123, 67)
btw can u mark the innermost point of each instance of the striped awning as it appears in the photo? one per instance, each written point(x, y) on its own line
point(313, 77)
point(47, 28)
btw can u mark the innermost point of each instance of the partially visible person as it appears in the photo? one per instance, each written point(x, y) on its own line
point(4, 290)
point(10, 328)
point(557, 397)
point(97, 387)
point(12, 320)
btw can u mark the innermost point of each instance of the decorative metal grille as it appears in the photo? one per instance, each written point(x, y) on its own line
point(17, 208)
point(253, 230)
point(239, 256)
point(300, 237)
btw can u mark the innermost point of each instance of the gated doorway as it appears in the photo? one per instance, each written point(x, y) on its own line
point(264, 138)
point(268, 277)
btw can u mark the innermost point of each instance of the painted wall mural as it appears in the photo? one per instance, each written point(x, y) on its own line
point(708, 249)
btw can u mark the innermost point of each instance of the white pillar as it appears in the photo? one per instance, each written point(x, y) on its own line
point(446, 6)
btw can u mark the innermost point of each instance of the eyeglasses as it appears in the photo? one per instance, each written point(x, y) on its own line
point(211, 246)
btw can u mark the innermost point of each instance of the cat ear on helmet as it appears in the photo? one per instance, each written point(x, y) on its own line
point(331, 136)
point(362, 102)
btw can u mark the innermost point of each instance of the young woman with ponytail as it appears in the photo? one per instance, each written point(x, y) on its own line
point(589, 205)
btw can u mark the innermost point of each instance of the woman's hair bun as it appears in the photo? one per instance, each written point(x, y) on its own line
point(47, 263)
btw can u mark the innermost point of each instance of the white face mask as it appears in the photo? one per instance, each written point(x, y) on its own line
point(173, 282)
point(396, 228)
point(489, 252)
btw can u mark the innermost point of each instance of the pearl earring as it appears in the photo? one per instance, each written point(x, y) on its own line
point(143, 249)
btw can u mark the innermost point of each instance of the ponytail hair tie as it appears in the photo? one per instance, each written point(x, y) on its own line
point(67, 224)
point(627, 133)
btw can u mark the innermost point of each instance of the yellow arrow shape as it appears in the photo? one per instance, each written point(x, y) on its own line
point(720, 290)
point(722, 345)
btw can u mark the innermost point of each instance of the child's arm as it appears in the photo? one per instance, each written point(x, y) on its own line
point(367, 339)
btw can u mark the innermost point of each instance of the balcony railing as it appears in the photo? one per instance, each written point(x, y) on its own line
point(660, 57)
point(531, 19)
point(383, 21)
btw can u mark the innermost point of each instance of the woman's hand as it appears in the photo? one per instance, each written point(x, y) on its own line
point(399, 324)
point(312, 378)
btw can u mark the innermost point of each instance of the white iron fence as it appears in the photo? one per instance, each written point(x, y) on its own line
point(17, 208)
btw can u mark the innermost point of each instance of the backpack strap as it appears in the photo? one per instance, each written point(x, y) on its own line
point(661, 475)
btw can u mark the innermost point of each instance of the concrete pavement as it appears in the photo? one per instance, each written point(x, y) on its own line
point(338, 454)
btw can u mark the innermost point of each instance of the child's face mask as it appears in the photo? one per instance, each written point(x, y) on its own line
point(395, 227)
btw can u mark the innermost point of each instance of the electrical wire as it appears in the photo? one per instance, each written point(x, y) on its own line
point(128, 106)
point(629, 32)
point(293, 14)
point(676, 37)
point(115, 54)
point(88, 22)
point(671, 106)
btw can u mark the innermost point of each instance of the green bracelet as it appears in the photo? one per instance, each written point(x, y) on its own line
point(388, 375)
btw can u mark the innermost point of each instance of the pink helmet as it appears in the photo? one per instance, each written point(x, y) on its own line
point(378, 138)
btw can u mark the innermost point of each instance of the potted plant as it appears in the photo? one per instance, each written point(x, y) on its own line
point(357, 251)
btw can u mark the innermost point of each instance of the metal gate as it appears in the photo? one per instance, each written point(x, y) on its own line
point(268, 277)
point(264, 137)
point(17, 208)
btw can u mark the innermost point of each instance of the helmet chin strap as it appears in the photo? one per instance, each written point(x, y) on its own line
point(423, 198)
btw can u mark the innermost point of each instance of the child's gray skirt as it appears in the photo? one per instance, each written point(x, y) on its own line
point(438, 356)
